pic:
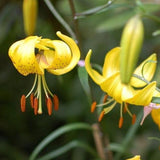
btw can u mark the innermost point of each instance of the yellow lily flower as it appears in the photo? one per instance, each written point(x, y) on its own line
point(33, 55)
point(135, 158)
point(110, 82)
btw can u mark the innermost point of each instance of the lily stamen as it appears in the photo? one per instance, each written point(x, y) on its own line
point(133, 119)
point(23, 103)
point(103, 104)
point(101, 115)
point(35, 106)
point(93, 106)
point(56, 102)
point(120, 122)
point(32, 100)
point(105, 98)
point(49, 105)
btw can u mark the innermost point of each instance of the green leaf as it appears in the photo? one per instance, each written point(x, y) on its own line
point(83, 77)
point(116, 21)
point(52, 136)
point(156, 100)
point(68, 147)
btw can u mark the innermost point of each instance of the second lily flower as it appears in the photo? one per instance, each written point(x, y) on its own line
point(110, 82)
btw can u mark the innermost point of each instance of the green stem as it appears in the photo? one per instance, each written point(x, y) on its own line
point(52, 136)
point(59, 18)
point(94, 10)
point(154, 18)
point(75, 21)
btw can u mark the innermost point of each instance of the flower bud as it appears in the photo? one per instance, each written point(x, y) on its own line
point(29, 16)
point(131, 42)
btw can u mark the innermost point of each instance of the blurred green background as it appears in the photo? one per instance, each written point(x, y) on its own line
point(20, 132)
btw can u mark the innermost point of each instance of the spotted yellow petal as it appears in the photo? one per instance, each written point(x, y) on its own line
point(111, 63)
point(148, 68)
point(113, 87)
point(75, 55)
point(60, 56)
point(22, 54)
point(143, 96)
point(156, 116)
point(96, 77)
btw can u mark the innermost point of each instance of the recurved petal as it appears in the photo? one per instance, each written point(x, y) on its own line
point(97, 78)
point(113, 87)
point(60, 57)
point(23, 57)
point(143, 96)
point(112, 62)
point(146, 70)
point(156, 116)
point(75, 55)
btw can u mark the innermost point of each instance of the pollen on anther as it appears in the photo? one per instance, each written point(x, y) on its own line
point(23, 103)
point(35, 106)
point(32, 100)
point(49, 106)
point(120, 122)
point(125, 107)
point(56, 102)
point(133, 118)
point(105, 98)
point(101, 116)
point(93, 106)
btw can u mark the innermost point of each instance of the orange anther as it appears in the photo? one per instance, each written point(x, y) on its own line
point(49, 106)
point(105, 98)
point(133, 118)
point(56, 102)
point(35, 106)
point(93, 106)
point(120, 122)
point(32, 100)
point(125, 107)
point(101, 116)
point(23, 103)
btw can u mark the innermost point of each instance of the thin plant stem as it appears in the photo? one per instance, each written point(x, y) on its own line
point(59, 18)
point(75, 21)
point(98, 141)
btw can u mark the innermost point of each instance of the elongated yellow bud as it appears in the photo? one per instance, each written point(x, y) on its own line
point(29, 16)
point(131, 43)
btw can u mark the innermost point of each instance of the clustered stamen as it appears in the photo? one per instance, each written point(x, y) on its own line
point(36, 97)
point(111, 104)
